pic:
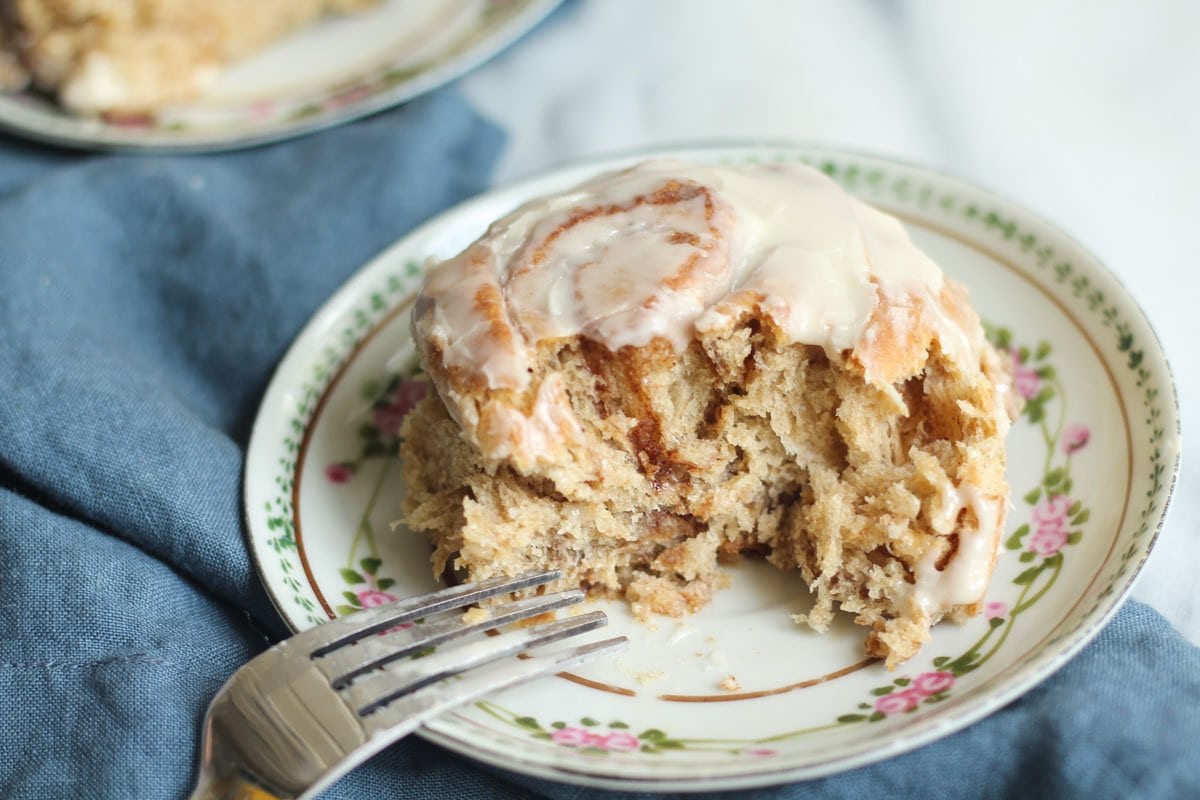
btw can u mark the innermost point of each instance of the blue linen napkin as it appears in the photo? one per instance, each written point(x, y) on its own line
point(144, 302)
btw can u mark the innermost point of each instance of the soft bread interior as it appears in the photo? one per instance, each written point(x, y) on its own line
point(743, 443)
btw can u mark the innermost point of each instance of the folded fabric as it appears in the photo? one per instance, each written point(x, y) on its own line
point(144, 302)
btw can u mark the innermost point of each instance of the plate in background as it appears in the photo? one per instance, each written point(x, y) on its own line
point(338, 69)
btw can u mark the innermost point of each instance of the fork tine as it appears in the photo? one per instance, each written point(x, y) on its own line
point(431, 700)
point(404, 715)
point(380, 687)
point(343, 665)
point(336, 633)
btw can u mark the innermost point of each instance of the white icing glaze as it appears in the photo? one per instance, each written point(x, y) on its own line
point(666, 249)
point(96, 84)
point(944, 517)
point(965, 578)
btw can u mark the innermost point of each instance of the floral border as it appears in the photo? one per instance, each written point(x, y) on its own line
point(389, 400)
point(280, 511)
point(877, 181)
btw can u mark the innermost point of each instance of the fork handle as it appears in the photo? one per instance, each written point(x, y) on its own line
point(229, 787)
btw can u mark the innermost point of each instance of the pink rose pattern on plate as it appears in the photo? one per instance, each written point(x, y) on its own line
point(1075, 438)
point(379, 440)
point(896, 702)
point(933, 682)
point(381, 434)
point(589, 737)
point(387, 417)
point(1025, 380)
point(339, 472)
point(1050, 517)
point(370, 598)
point(616, 741)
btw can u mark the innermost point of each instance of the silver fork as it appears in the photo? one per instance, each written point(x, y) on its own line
point(302, 714)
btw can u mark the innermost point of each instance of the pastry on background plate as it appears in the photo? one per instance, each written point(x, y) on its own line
point(668, 366)
point(133, 56)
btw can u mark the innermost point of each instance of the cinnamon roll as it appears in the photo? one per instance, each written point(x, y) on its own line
point(669, 366)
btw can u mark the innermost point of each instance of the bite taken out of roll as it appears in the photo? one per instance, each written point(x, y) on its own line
point(671, 365)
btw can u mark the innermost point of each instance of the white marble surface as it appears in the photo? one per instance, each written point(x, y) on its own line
point(1087, 112)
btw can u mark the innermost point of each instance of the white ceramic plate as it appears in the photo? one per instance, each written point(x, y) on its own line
point(339, 69)
point(1092, 461)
